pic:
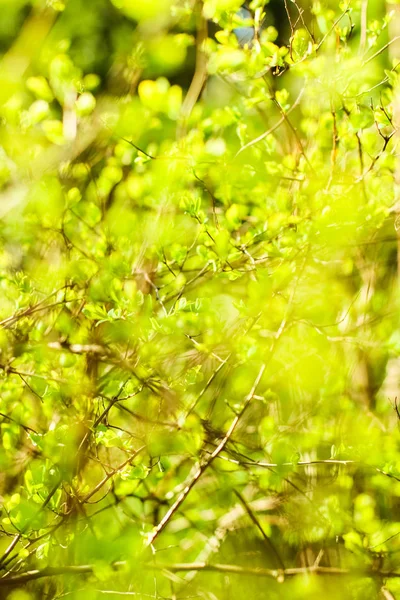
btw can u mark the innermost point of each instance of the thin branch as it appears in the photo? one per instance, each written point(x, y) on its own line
point(110, 475)
point(203, 467)
point(378, 52)
point(331, 29)
point(16, 539)
point(260, 529)
point(27, 312)
point(291, 27)
point(200, 74)
point(277, 574)
point(138, 149)
point(273, 128)
point(51, 572)
point(307, 463)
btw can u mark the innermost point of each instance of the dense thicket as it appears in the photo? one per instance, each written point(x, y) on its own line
point(199, 316)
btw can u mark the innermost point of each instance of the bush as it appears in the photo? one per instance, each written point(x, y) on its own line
point(199, 318)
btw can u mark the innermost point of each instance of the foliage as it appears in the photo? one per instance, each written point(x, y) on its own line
point(199, 299)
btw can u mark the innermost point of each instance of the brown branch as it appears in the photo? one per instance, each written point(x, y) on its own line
point(27, 312)
point(291, 28)
point(260, 529)
point(200, 74)
point(110, 475)
point(51, 572)
point(212, 196)
point(138, 149)
point(390, 42)
point(207, 385)
point(266, 465)
point(327, 34)
point(275, 126)
point(17, 538)
point(303, 21)
point(278, 574)
point(203, 467)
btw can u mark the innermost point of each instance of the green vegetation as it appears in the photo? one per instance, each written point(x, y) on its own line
point(199, 274)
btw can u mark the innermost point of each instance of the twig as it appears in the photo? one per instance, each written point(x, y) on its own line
point(291, 27)
point(27, 312)
point(111, 474)
point(200, 74)
point(272, 129)
point(260, 529)
point(378, 52)
point(16, 539)
point(202, 468)
point(278, 574)
point(138, 149)
point(332, 29)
